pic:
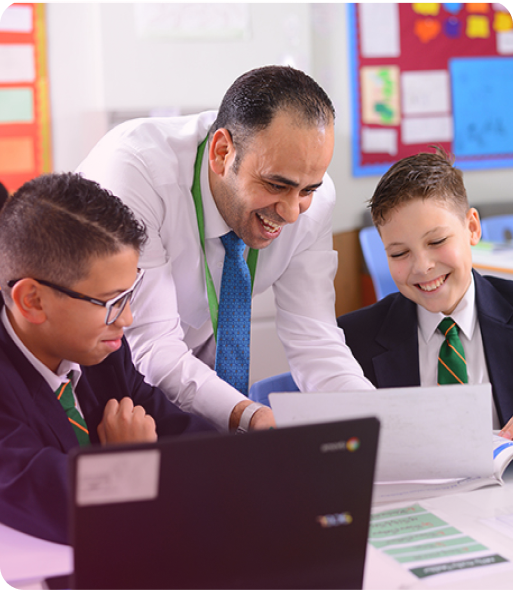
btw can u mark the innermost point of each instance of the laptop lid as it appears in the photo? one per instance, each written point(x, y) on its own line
point(426, 433)
point(283, 508)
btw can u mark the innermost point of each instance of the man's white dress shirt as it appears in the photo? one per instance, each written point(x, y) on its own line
point(149, 164)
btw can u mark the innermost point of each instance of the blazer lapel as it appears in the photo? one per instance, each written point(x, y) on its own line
point(398, 366)
point(496, 323)
point(39, 401)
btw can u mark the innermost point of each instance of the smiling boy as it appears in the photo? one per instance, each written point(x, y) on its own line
point(421, 210)
point(69, 253)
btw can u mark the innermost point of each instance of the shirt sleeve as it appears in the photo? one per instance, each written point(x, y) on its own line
point(160, 353)
point(156, 336)
point(319, 358)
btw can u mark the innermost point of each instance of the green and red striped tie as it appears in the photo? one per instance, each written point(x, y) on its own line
point(452, 366)
point(65, 396)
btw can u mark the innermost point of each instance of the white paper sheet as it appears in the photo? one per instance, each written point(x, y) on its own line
point(379, 141)
point(427, 129)
point(17, 63)
point(425, 93)
point(379, 30)
point(16, 19)
point(426, 433)
point(505, 43)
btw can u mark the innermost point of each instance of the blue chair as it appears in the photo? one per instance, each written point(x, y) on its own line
point(498, 228)
point(260, 390)
point(377, 262)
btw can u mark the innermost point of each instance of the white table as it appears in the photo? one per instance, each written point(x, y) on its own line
point(495, 260)
point(466, 512)
point(26, 561)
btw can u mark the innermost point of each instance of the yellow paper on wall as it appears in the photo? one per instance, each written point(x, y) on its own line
point(426, 8)
point(478, 27)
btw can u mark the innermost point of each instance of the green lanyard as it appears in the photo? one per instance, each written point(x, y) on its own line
point(198, 203)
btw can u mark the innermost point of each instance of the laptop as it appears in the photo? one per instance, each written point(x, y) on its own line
point(426, 432)
point(282, 508)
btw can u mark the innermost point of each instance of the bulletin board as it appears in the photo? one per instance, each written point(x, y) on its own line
point(25, 146)
point(431, 74)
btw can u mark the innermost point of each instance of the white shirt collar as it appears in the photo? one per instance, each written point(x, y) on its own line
point(464, 315)
point(54, 380)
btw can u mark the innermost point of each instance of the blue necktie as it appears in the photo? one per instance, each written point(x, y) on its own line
point(234, 316)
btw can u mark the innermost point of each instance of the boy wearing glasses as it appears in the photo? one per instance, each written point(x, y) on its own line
point(68, 268)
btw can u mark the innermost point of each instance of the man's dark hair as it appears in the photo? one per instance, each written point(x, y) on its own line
point(253, 100)
point(54, 225)
point(423, 176)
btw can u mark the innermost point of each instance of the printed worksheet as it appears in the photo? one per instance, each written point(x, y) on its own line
point(428, 546)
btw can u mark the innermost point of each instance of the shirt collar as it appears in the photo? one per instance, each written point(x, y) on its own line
point(215, 225)
point(464, 315)
point(54, 380)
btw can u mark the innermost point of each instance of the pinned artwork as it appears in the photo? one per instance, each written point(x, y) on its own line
point(427, 73)
point(380, 95)
point(478, 7)
point(502, 22)
point(453, 7)
point(452, 27)
point(427, 29)
point(25, 149)
point(426, 8)
point(478, 27)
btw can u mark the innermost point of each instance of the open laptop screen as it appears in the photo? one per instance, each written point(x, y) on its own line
point(284, 508)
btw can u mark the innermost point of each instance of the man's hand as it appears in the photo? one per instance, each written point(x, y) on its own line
point(262, 419)
point(124, 423)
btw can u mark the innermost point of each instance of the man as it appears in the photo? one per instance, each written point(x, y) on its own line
point(263, 175)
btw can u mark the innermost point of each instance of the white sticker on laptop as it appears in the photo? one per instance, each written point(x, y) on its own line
point(110, 478)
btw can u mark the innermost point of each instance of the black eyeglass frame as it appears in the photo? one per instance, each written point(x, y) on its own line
point(124, 297)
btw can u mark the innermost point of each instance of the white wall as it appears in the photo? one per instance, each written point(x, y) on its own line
point(98, 65)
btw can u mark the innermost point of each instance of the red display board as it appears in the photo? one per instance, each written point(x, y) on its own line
point(431, 73)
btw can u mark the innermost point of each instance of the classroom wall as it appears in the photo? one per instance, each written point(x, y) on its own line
point(101, 71)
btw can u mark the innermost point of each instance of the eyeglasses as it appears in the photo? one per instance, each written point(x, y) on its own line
point(114, 306)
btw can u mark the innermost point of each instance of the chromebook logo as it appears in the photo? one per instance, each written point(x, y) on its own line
point(352, 444)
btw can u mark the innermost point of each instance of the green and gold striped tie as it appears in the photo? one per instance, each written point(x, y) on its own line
point(452, 366)
point(65, 396)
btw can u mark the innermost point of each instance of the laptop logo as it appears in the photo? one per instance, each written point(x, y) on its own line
point(329, 521)
point(352, 444)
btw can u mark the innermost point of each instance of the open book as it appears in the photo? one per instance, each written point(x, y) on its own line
point(397, 491)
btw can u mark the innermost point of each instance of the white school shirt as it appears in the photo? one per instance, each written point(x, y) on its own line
point(430, 339)
point(54, 380)
point(149, 163)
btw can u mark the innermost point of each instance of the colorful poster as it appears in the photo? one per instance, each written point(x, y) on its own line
point(25, 150)
point(442, 74)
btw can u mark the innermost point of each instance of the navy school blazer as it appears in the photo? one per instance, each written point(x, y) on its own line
point(35, 434)
point(383, 339)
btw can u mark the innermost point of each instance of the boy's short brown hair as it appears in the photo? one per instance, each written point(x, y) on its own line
point(422, 176)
